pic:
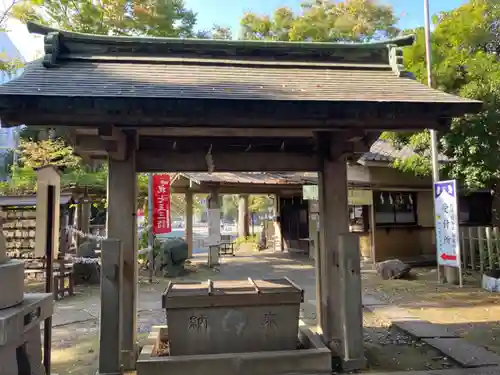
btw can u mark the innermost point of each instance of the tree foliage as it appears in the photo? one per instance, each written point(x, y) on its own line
point(465, 46)
point(324, 20)
point(162, 18)
point(217, 32)
point(47, 152)
point(36, 154)
point(8, 64)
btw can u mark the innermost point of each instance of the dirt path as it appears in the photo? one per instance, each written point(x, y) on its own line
point(75, 347)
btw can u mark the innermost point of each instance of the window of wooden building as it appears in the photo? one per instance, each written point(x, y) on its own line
point(395, 208)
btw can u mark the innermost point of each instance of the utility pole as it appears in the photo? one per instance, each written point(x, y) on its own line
point(450, 273)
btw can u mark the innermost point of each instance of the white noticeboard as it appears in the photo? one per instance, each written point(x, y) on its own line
point(447, 225)
point(310, 192)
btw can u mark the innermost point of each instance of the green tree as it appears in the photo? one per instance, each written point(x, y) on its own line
point(111, 17)
point(465, 46)
point(8, 64)
point(217, 32)
point(259, 203)
point(324, 20)
point(160, 18)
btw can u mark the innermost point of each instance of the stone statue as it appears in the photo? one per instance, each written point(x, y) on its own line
point(87, 249)
point(174, 252)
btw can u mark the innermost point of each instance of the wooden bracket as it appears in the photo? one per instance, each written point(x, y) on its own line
point(115, 135)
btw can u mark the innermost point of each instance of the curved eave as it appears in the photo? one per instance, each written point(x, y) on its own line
point(35, 28)
point(60, 42)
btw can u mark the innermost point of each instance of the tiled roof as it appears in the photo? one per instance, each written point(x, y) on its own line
point(79, 65)
point(176, 80)
point(383, 151)
point(27, 200)
point(253, 178)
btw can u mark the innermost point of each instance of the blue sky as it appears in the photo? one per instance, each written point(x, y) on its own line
point(227, 13)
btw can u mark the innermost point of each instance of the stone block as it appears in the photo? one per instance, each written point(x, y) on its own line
point(11, 283)
point(423, 329)
point(463, 352)
point(314, 359)
point(17, 320)
point(23, 354)
point(393, 269)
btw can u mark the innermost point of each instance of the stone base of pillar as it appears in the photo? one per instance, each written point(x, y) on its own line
point(346, 365)
point(129, 358)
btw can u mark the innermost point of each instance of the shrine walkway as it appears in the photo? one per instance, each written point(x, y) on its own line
point(388, 349)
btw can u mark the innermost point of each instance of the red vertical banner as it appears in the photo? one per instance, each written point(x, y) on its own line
point(161, 204)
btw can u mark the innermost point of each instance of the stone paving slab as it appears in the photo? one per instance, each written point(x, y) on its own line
point(466, 354)
point(61, 318)
point(407, 322)
point(424, 329)
point(371, 301)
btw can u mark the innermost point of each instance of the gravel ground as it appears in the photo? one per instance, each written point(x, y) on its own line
point(388, 349)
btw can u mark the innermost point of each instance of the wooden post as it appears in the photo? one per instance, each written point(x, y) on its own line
point(243, 224)
point(352, 343)
point(63, 250)
point(496, 234)
point(464, 245)
point(122, 225)
point(480, 239)
point(110, 319)
point(51, 211)
point(489, 244)
point(334, 222)
point(85, 214)
point(189, 223)
point(472, 248)
point(48, 175)
point(373, 230)
point(214, 228)
point(278, 238)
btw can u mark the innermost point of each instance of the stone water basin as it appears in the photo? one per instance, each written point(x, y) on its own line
point(311, 357)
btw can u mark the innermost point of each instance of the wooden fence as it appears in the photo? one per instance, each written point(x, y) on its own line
point(480, 248)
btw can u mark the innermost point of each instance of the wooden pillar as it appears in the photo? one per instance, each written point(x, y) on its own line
point(189, 222)
point(373, 230)
point(243, 224)
point(352, 343)
point(278, 238)
point(82, 218)
point(338, 266)
point(334, 221)
point(47, 176)
point(213, 228)
point(313, 229)
point(122, 225)
point(110, 319)
point(85, 215)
